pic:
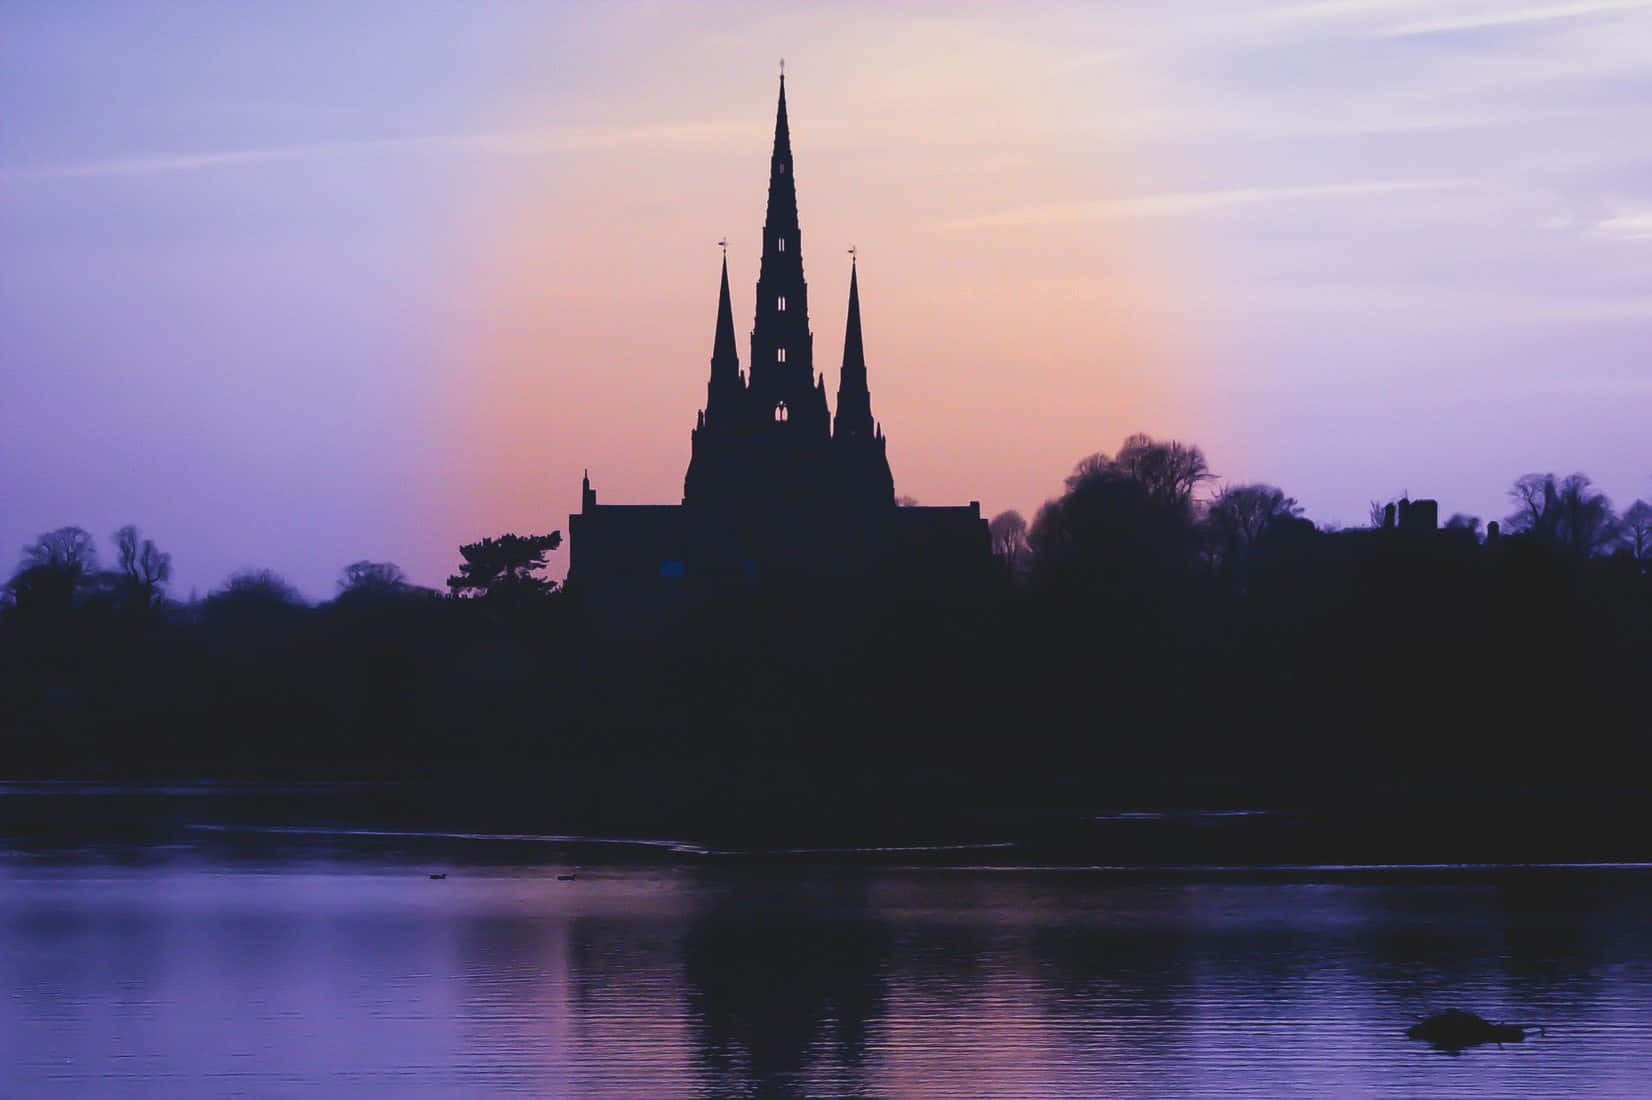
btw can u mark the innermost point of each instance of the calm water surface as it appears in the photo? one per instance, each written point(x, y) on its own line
point(183, 973)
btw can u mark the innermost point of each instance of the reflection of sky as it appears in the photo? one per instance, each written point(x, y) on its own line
point(363, 978)
point(323, 283)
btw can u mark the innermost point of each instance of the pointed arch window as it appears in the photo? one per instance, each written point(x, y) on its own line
point(780, 244)
point(780, 413)
point(780, 355)
point(780, 303)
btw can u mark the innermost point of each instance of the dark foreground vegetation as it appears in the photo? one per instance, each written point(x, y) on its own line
point(1149, 640)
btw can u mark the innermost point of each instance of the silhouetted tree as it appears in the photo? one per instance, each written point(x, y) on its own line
point(1108, 528)
point(1637, 530)
point(372, 578)
point(54, 571)
point(1008, 532)
point(1462, 521)
point(1566, 514)
point(1122, 517)
point(264, 586)
point(144, 569)
point(1168, 471)
point(1240, 517)
point(505, 567)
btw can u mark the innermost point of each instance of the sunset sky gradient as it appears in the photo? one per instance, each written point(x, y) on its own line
point(290, 285)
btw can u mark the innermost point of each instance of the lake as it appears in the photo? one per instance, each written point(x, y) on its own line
point(308, 965)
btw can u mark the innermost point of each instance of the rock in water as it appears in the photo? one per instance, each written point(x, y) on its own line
point(1455, 1029)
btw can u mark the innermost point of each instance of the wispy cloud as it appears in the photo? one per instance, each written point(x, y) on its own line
point(502, 143)
point(1190, 202)
point(162, 163)
point(1510, 17)
point(1635, 226)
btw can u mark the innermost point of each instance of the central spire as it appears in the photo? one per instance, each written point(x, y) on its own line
point(783, 383)
point(782, 212)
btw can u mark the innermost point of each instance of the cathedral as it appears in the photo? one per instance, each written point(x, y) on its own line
point(778, 487)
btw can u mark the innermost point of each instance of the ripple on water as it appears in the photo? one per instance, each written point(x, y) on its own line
point(346, 978)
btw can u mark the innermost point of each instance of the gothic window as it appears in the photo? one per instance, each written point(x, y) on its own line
point(780, 413)
point(780, 355)
point(780, 244)
point(781, 304)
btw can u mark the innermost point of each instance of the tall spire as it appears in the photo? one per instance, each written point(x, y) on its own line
point(854, 400)
point(781, 366)
point(782, 212)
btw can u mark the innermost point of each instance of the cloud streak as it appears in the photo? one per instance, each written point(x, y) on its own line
point(1175, 204)
point(503, 143)
point(1511, 17)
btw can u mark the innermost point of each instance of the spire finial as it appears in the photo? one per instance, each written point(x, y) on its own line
point(723, 244)
point(782, 70)
point(852, 255)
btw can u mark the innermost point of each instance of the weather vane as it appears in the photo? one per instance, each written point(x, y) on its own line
point(851, 254)
point(723, 244)
point(782, 68)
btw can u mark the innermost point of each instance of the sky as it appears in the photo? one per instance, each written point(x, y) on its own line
point(292, 285)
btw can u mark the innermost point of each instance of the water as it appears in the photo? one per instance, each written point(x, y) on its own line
point(316, 971)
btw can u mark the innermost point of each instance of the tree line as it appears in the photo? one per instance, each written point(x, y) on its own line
point(1153, 635)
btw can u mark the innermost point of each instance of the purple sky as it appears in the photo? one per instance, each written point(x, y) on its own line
point(291, 285)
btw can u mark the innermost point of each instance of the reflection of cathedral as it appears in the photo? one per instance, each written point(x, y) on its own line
point(776, 484)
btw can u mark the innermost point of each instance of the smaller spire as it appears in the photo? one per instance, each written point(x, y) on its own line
point(854, 401)
point(724, 354)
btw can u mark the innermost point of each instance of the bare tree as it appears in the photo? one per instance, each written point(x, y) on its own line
point(1637, 530)
point(1240, 517)
point(1246, 512)
point(1089, 468)
point(1169, 472)
point(1566, 513)
point(69, 549)
point(1008, 532)
point(372, 578)
point(1535, 513)
point(264, 586)
point(143, 567)
point(55, 569)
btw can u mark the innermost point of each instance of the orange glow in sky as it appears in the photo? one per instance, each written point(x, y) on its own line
point(1001, 347)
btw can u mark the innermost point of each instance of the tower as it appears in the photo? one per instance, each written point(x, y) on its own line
point(777, 492)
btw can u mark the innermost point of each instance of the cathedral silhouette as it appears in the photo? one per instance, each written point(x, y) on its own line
point(778, 490)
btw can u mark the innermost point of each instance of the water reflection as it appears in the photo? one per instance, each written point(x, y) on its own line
point(783, 974)
point(198, 977)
